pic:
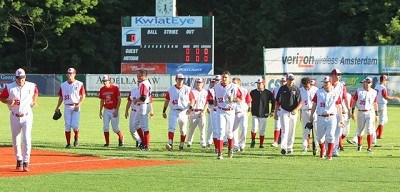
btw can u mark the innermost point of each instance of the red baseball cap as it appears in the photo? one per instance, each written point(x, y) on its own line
point(336, 71)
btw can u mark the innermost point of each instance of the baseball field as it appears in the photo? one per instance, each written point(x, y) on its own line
point(90, 167)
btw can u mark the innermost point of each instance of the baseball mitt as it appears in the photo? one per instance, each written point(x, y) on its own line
point(57, 114)
point(309, 125)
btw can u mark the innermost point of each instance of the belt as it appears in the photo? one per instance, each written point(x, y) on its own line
point(72, 104)
point(142, 104)
point(363, 110)
point(214, 109)
point(110, 108)
point(19, 115)
point(197, 110)
point(326, 115)
point(306, 109)
point(344, 113)
point(225, 109)
point(134, 110)
point(179, 109)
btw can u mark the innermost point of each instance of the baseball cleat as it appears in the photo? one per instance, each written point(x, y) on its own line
point(369, 150)
point(283, 152)
point(359, 148)
point(76, 143)
point(106, 145)
point(241, 149)
point(19, 165)
point(168, 147)
point(203, 147)
point(252, 144)
point(341, 148)
point(335, 155)
point(274, 144)
point(289, 152)
point(220, 156)
point(180, 148)
point(25, 167)
point(351, 142)
point(120, 143)
point(137, 144)
point(68, 146)
point(330, 158)
point(230, 153)
point(261, 146)
point(208, 145)
point(188, 145)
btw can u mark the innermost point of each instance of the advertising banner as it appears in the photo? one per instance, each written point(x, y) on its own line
point(152, 68)
point(318, 60)
point(189, 69)
point(390, 57)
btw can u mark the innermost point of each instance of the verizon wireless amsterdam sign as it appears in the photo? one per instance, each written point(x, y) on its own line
point(322, 60)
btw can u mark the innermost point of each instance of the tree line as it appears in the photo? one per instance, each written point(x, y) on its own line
point(48, 36)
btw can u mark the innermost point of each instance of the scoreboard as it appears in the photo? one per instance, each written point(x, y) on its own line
point(168, 45)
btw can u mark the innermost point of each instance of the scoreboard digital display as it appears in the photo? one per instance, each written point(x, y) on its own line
point(167, 45)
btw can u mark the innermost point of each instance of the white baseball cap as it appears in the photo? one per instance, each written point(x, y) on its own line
point(290, 76)
point(200, 80)
point(20, 73)
point(368, 80)
point(326, 79)
point(283, 79)
point(105, 78)
point(71, 70)
point(313, 82)
point(260, 80)
point(218, 78)
point(179, 76)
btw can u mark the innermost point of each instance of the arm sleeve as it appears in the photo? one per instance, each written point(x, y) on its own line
point(4, 94)
point(60, 92)
point(167, 96)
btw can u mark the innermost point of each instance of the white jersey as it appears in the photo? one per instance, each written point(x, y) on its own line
point(211, 93)
point(307, 96)
point(71, 92)
point(179, 98)
point(341, 89)
point(382, 93)
point(144, 90)
point(223, 93)
point(22, 96)
point(365, 99)
point(326, 102)
point(134, 94)
point(200, 98)
point(242, 105)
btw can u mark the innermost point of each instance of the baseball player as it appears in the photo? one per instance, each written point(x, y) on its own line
point(346, 121)
point(261, 99)
point(72, 92)
point(365, 99)
point(180, 99)
point(354, 140)
point(288, 101)
point(110, 100)
point(227, 95)
point(307, 92)
point(326, 104)
point(211, 110)
point(197, 117)
point(133, 123)
point(21, 96)
point(241, 117)
point(143, 102)
point(383, 98)
point(277, 122)
point(339, 87)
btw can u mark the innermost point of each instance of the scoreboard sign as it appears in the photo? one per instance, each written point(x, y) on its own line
point(169, 45)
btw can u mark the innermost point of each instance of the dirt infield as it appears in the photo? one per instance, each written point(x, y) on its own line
point(45, 162)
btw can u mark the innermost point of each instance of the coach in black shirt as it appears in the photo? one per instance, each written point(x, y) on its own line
point(288, 101)
point(261, 98)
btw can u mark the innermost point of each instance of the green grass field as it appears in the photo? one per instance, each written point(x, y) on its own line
point(253, 170)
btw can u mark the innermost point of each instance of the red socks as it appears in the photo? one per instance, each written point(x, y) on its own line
point(276, 135)
point(68, 137)
point(107, 137)
point(369, 140)
point(262, 140)
point(253, 135)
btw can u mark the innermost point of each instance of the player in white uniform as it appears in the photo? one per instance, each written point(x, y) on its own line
point(339, 87)
point(346, 122)
point(241, 118)
point(197, 116)
point(326, 104)
point(365, 99)
point(21, 97)
point(180, 99)
point(277, 122)
point(133, 125)
point(211, 110)
point(383, 98)
point(110, 100)
point(72, 92)
point(227, 95)
point(307, 92)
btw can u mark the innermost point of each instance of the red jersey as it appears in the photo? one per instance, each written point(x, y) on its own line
point(110, 96)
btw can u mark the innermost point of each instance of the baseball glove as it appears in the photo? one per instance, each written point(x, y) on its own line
point(57, 114)
point(309, 125)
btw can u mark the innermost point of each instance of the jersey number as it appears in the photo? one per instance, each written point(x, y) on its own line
point(66, 97)
point(362, 102)
point(322, 104)
point(175, 102)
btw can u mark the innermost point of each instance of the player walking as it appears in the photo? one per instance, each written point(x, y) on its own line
point(21, 97)
point(365, 99)
point(307, 93)
point(180, 99)
point(227, 95)
point(288, 101)
point(261, 98)
point(197, 116)
point(383, 98)
point(133, 125)
point(110, 100)
point(277, 122)
point(212, 111)
point(72, 92)
point(326, 104)
point(241, 117)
